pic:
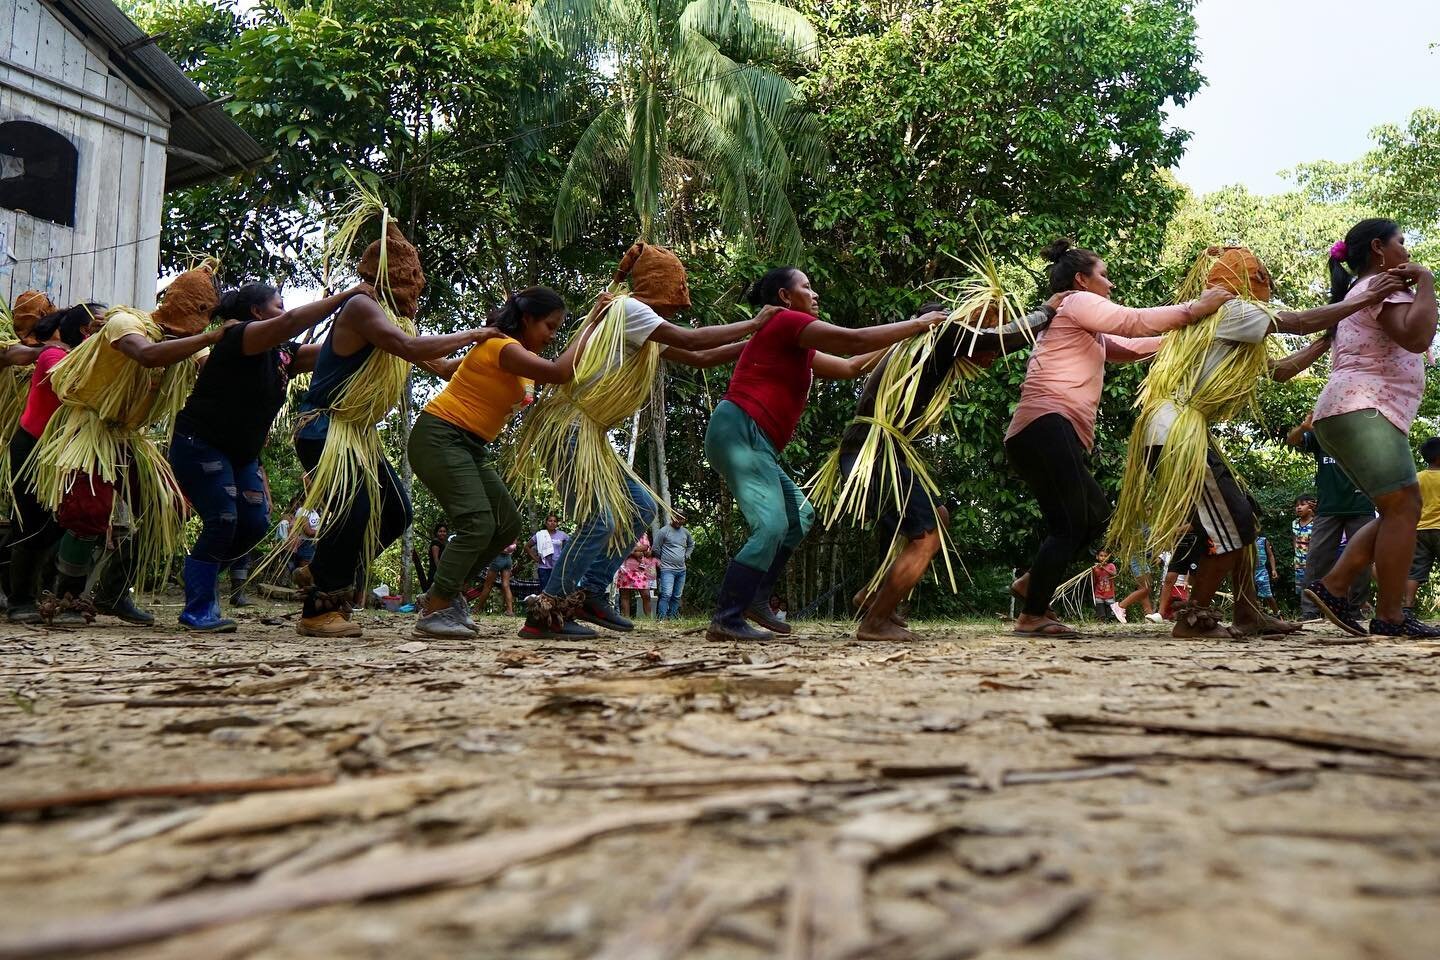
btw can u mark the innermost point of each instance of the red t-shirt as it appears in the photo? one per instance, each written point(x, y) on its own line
point(1104, 578)
point(771, 381)
point(41, 403)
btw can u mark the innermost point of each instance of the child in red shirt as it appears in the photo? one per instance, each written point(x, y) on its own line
point(1102, 584)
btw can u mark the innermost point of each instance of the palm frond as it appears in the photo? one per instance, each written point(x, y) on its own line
point(600, 150)
point(756, 29)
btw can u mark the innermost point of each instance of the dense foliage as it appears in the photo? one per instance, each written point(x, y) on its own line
point(877, 143)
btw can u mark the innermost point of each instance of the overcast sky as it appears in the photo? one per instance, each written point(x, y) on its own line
point(1289, 81)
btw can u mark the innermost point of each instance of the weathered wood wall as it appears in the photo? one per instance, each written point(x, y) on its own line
point(51, 75)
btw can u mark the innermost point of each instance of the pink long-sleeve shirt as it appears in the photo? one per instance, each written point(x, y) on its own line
point(1067, 367)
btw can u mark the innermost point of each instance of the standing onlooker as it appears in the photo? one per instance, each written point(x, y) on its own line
point(673, 546)
point(1265, 574)
point(1301, 530)
point(1427, 533)
point(500, 568)
point(546, 546)
point(1140, 570)
point(1341, 511)
point(1102, 584)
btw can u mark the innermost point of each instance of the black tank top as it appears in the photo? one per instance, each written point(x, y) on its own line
point(331, 372)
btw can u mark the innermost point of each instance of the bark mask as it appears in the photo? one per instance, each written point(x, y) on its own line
point(27, 310)
point(404, 277)
point(656, 277)
point(188, 303)
point(1238, 270)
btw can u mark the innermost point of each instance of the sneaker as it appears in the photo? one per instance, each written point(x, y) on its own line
point(1335, 609)
point(1154, 618)
point(1119, 612)
point(24, 613)
point(125, 609)
point(461, 606)
point(443, 624)
point(597, 610)
point(1411, 626)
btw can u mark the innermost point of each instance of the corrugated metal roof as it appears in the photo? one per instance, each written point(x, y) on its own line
point(205, 143)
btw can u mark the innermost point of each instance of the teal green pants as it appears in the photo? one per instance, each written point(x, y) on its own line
point(777, 512)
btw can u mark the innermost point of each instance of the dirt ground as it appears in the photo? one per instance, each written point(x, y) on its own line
point(654, 796)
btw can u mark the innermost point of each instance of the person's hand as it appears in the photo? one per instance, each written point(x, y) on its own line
point(1409, 273)
point(362, 289)
point(928, 320)
point(1054, 302)
point(601, 302)
point(763, 317)
point(1208, 302)
point(481, 334)
point(217, 333)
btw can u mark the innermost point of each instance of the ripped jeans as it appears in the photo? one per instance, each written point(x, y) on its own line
point(229, 496)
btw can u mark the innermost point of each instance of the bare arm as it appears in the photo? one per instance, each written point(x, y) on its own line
point(261, 335)
point(1323, 318)
point(1412, 325)
point(20, 355)
point(1296, 436)
point(1130, 349)
point(305, 357)
point(705, 359)
point(444, 368)
point(1295, 364)
point(369, 321)
point(829, 338)
point(167, 353)
point(696, 339)
point(845, 368)
point(522, 363)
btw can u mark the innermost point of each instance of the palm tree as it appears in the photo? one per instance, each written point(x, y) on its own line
point(687, 104)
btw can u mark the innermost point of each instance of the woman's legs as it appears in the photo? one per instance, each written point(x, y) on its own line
point(1141, 595)
point(1049, 457)
point(33, 534)
point(208, 480)
point(507, 593)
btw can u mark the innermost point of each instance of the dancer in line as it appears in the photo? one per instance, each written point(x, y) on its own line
point(908, 521)
point(33, 529)
point(1053, 427)
point(451, 448)
point(99, 464)
point(751, 426)
point(567, 436)
point(1176, 477)
point(1363, 418)
point(223, 426)
point(360, 372)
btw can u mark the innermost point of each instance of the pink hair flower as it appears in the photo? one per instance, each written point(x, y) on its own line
point(1339, 250)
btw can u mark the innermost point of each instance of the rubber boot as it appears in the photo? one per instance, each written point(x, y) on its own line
point(737, 591)
point(202, 606)
point(113, 595)
point(25, 562)
point(759, 610)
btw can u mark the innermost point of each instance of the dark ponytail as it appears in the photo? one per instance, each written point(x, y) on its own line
point(530, 302)
point(72, 323)
point(1065, 261)
point(1354, 253)
point(766, 291)
point(239, 304)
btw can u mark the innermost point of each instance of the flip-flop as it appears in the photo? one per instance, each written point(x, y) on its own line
point(1063, 633)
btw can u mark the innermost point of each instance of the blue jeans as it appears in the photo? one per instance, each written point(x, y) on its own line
point(588, 560)
point(672, 587)
point(229, 496)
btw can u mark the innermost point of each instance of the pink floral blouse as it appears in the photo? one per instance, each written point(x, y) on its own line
point(1370, 371)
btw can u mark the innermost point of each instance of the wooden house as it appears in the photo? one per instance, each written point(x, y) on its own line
point(96, 124)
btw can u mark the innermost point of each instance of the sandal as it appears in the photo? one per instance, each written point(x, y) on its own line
point(1336, 609)
point(1050, 630)
point(1411, 626)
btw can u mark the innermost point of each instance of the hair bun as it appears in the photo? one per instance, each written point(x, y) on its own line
point(1056, 249)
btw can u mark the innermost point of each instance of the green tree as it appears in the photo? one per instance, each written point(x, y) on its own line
point(686, 109)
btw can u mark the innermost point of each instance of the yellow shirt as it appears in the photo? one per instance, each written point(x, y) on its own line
point(1430, 497)
point(480, 397)
point(98, 377)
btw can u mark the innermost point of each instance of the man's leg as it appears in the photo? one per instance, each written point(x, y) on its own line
point(665, 583)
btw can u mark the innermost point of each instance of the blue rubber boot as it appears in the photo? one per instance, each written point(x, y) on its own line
point(202, 606)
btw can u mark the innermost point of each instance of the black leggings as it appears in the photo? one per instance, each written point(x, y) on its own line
point(1048, 456)
point(337, 562)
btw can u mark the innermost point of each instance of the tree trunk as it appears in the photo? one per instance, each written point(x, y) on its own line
point(657, 428)
point(634, 438)
point(407, 539)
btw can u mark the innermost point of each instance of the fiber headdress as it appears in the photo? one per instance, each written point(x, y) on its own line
point(350, 461)
point(113, 419)
point(567, 433)
point(1155, 505)
point(898, 422)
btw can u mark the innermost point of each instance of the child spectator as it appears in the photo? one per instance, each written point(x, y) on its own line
point(1265, 574)
point(1102, 584)
point(1427, 533)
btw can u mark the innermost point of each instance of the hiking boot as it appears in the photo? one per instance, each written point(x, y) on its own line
point(596, 609)
point(1337, 610)
point(327, 614)
point(552, 618)
point(442, 624)
point(759, 612)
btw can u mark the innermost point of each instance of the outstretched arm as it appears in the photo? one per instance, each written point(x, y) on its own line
point(1295, 364)
point(705, 359)
point(1323, 318)
point(829, 338)
point(370, 322)
point(696, 339)
point(168, 352)
point(261, 335)
point(845, 368)
point(20, 355)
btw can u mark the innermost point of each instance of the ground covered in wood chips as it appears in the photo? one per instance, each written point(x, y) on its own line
point(653, 795)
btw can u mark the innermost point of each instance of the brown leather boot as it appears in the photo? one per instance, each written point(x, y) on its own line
point(327, 614)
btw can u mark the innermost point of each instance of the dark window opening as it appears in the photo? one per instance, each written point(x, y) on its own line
point(38, 169)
